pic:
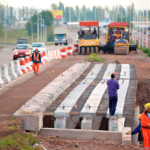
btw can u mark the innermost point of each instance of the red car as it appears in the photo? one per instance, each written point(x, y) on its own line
point(22, 50)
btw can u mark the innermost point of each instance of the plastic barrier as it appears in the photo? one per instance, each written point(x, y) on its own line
point(27, 64)
point(4, 73)
point(55, 54)
point(64, 52)
point(11, 70)
point(49, 54)
point(44, 56)
point(31, 62)
point(17, 68)
point(1, 81)
point(22, 66)
point(69, 51)
point(42, 60)
point(75, 48)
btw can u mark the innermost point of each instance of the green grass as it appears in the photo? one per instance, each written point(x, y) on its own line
point(11, 128)
point(94, 57)
point(50, 43)
point(145, 50)
point(1, 47)
point(13, 118)
point(18, 141)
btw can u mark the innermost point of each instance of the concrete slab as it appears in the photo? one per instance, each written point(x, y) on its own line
point(81, 134)
point(31, 122)
point(126, 138)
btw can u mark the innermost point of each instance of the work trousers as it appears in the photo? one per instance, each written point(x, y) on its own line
point(112, 44)
point(36, 67)
point(112, 105)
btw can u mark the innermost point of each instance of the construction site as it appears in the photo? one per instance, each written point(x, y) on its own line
point(56, 95)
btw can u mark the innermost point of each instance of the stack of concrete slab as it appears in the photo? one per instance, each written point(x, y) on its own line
point(37, 104)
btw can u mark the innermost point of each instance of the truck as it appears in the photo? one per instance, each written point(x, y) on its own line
point(22, 41)
point(61, 35)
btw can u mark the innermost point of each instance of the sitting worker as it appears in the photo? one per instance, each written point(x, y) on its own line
point(124, 34)
point(145, 123)
point(112, 39)
point(118, 31)
point(111, 31)
point(138, 130)
point(94, 32)
point(83, 33)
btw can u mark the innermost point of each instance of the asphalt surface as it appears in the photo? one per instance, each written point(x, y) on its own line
point(6, 53)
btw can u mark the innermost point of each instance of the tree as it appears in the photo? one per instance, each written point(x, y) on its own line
point(48, 21)
point(1, 29)
point(54, 6)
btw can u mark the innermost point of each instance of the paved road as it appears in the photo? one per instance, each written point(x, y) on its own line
point(6, 53)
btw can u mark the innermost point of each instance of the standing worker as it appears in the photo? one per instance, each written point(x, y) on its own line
point(36, 58)
point(112, 40)
point(145, 122)
point(138, 130)
point(113, 86)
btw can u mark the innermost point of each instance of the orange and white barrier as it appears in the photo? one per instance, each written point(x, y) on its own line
point(27, 64)
point(64, 52)
point(42, 60)
point(23, 66)
point(55, 54)
point(31, 62)
point(44, 56)
point(75, 48)
point(69, 51)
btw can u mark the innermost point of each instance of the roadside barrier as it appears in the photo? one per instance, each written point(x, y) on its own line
point(22, 66)
point(4, 73)
point(47, 56)
point(11, 70)
point(64, 52)
point(75, 48)
point(1, 80)
point(27, 64)
point(55, 54)
point(31, 62)
point(69, 51)
point(17, 68)
point(42, 60)
point(44, 57)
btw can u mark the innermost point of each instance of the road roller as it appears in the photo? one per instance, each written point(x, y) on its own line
point(89, 37)
point(121, 42)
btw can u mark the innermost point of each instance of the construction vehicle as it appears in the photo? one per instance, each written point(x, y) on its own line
point(122, 46)
point(61, 35)
point(89, 43)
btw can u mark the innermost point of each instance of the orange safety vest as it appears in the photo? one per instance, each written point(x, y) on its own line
point(145, 121)
point(36, 57)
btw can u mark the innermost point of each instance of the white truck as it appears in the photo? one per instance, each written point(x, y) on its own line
point(61, 35)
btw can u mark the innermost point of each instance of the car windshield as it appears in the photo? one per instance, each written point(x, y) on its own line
point(37, 45)
point(22, 47)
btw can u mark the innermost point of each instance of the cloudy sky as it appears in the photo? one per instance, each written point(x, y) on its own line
point(47, 3)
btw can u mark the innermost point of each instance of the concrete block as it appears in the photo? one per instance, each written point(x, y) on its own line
point(31, 122)
point(126, 138)
point(4, 73)
point(17, 68)
point(86, 124)
point(1, 81)
point(72, 123)
point(82, 134)
point(11, 70)
point(96, 122)
point(60, 123)
point(32, 108)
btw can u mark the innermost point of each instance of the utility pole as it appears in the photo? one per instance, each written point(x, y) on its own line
point(147, 27)
point(95, 13)
point(70, 14)
point(37, 27)
point(43, 31)
point(5, 9)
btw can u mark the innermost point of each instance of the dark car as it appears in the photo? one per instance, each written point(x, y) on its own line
point(22, 50)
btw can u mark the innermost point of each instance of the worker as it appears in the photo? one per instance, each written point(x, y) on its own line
point(112, 40)
point(94, 32)
point(113, 86)
point(36, 58)
point(118, 31)
point(124, 34)
point(138, 130)
point(145, 123)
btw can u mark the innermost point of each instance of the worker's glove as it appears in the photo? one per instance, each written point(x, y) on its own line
point(129, 133)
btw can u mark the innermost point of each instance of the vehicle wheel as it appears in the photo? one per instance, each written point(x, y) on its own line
point(96, 50)
point(56, 44)
point(92, 50)
point(60, 43)
point(88, 50)
point(14, 58)
point(83, 50)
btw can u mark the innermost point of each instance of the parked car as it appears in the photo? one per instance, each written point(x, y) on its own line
point(22, 50)
point(41, 47)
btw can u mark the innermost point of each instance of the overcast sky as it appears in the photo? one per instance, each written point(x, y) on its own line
point(47, 3)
